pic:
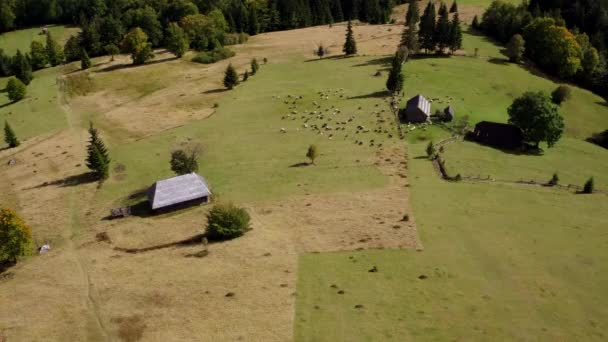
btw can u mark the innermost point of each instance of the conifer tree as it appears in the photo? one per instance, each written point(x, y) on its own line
point(455, 41)
point(16, 89)
point(85, 61)
point(98, 159)
point(231, 78)
point(254, 66)
point(246, 76)
point(395, 79)
point(22, 68)
point(413, 14)
point(454, 8)
point(38, 55)
point(443, 9)
point(426, 35)
point(350, 45)
point(442, 30)
point(475, 23)
point(409, 39)
point(53, 50)
point(320, 51)
point(9, 136)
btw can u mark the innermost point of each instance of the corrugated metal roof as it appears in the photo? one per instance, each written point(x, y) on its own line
point(422, 103)
point(177, 190)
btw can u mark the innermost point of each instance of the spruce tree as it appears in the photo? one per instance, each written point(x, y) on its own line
point(246, 76)
point(53, 50)
point(22, 68)
point(442, 30)
point(395, 79)
point(455, 41)
point(427, 28)
point(350, 45)
point(85, 61)
point(454, 8)
point(231, 78)
point(413, 14)
point(254, 66)
point(443, 9)
point(98, 159)
point(411, 40)
point(9, 136)
point(475, 23)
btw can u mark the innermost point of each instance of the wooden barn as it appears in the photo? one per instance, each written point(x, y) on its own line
point(498, 135)
point(178, 192)
point(417, 110)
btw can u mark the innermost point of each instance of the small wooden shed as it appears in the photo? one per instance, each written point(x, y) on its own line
point(417, 110)
point(178, 192)
point(498, 135)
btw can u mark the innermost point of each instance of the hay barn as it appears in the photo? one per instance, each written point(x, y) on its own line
point(178, 192)
point(417, 110)
point(498, 135)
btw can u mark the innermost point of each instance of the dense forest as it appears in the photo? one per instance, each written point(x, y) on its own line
point(564, 37)
point(251, 16)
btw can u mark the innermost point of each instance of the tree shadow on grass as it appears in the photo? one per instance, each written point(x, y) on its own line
point(324, 58)
point(215, 91)
point(374, 95)
point(7, 104)
point(498, 61)
point(83, 178)
point(191, 241)
point(605, 103)
point(386, 61)
point(303, 164)
point(129, 66)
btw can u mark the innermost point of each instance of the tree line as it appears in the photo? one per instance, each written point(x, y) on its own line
point(565, 38)
point(241, 15)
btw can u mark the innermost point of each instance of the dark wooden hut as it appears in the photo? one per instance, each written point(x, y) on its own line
point(417, 110)
point(178, 192)
point(498, 135)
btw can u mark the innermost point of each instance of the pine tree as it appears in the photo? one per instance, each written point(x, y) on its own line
point(455, 41)
point(9, 136)
point(427, 28)
point(85, 61)
point(442, 30)
point(395, 79)
point(254, 66)
point(475, 23)
point(231, 78)
point(53, 50)
point(246, 76)
point(22, 67)
point(254, 25)
point(350, 45)
point(443, 9)
point(412, 18)
point(454, 8)
point(98, 159)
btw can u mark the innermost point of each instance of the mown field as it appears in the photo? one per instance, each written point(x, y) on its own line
point(501, 262)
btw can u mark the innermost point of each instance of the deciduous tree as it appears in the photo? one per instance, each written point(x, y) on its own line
point(177, 40)
point(16, 89)
point(15, 237)
point(53, 50)
point(38, 56)
point(136, 43)
point(227, 221)
point(516, 48)
point(537, 117)
point(184, 161)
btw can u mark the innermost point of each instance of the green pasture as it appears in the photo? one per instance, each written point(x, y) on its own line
point(502, 263)
point(12, 41)
point(246, 156)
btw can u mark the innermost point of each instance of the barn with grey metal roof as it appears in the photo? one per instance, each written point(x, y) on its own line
point(180, 190)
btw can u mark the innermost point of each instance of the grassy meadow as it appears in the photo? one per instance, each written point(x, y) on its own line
point(501, 262)
point(246, 157)
point(12, 41)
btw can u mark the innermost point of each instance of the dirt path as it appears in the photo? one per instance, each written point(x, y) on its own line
point(99, 330)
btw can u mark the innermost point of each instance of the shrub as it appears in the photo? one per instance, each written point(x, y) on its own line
point(227, 221)
point(209, 57)
point(183, 162)
point(458, 178)
point(561, 94)
point(254, 66)
point(554, 180)
point(312, 153)
point(235, 38)
point(16, 89)
point(430, 150)
point(589, 186)
point(15, 237)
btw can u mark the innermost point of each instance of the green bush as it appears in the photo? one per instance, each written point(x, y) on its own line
point(561, 94)
point(554, 180)
point(209, 57)
point(16, 89)
point(227, 221)
point(589, 186)
point(15, 237)
point(235, 38)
